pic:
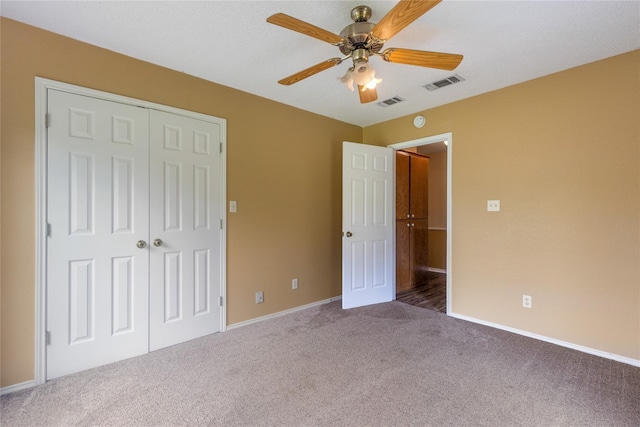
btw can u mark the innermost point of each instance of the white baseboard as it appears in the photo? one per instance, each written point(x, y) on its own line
point(593, 351)
point(282, 313)
point(17, 387)
point(438, 270)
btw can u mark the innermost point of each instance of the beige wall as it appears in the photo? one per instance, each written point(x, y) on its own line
point(562, 153)
point(283, 168)
point(438, 249)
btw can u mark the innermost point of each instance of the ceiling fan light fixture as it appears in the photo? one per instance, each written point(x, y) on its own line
point(372, 81)
point(372, 84)
point(347, 79)
point(361, 74)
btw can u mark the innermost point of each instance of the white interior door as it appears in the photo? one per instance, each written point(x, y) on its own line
point(368, 253)
point(97, 205)
point(185, 223)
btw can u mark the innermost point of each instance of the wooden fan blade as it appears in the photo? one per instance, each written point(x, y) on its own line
point(367, 95)
point(295, 78)
point(403, 14)
point(305, 28)
point(422, 58)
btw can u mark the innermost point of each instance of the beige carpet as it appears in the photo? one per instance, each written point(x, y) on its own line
point(386, 365)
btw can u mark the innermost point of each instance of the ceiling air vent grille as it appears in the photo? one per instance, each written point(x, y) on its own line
point(445, 82)
point(391, 101)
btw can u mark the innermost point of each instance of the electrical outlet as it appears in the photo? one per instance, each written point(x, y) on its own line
point(259, 297)
point(294, 284)
point(493, 205)
point(526, 301)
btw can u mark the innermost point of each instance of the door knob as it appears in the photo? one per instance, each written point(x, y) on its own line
point(349, 234)
point(157, 243)
point(141, 244)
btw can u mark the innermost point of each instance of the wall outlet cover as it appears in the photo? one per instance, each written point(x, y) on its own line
point(493, 205)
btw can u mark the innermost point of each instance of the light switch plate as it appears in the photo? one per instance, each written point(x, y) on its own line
point(493, 205)
point(233, 206)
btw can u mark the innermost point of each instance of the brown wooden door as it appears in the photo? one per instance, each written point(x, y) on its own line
point(403, 258)
point(419, 251)
point(402, 185)
point(419, 187)
point(412, 224)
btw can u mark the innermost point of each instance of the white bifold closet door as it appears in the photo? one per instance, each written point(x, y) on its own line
point(133, 248)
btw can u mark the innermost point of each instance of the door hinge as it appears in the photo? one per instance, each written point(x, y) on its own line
point(221, 225)
point(220, 147)
point(48, 230)
point(47, 120)
point(221, 302)
point(47, 338)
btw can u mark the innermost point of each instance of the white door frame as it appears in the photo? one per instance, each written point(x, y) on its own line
point(432, 140)
point(41, 87)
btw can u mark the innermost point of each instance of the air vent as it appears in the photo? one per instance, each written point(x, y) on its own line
point(391, 101)
point(445, 82)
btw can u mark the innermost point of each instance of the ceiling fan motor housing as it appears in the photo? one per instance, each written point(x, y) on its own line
point(358, 36)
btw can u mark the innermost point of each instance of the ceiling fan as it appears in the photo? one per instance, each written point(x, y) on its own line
point(363, 39)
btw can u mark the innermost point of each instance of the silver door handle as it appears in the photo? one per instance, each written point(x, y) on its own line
point(349, 234)
point(141, 244)
point(157, 243)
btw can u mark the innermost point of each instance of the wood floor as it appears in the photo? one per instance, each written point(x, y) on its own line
point(431, 295)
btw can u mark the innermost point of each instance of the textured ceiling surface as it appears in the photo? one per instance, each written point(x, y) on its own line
point(230, 43)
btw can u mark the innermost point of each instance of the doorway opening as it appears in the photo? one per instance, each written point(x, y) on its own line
point(434, 292)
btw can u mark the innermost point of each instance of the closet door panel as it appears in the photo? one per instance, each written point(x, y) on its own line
point(185, 234)
point(97, 208)
point(419, 187)
point(402, 185)
point(419, 251)
point(403, 255)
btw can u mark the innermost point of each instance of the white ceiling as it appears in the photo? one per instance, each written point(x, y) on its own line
point(230, 43)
